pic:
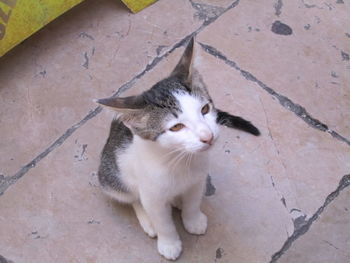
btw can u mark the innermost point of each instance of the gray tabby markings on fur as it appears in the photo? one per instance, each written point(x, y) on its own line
point(119, 138)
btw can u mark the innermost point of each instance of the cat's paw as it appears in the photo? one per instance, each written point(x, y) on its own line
point(170, 249)
point(196, 225)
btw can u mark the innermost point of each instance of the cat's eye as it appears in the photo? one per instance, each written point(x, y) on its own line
point(205, 109)
point(177, 127)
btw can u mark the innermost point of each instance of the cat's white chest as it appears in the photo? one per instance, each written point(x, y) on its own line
point(147, 168)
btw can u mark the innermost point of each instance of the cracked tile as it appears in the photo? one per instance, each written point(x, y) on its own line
point(328, 238)
point(241, 171)
point(49, 81)
point(59, 209)
point(278, 7)
point(60, 219)
point(296, 65)
point(212, 3)
point(206, 10)
point(260, 190)
point(305, 164)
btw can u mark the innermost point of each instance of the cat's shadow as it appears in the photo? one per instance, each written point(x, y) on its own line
point(126, 213)
point(126, 216)
point(121, 210)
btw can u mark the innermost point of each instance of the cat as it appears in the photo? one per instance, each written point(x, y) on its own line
point(155, 156)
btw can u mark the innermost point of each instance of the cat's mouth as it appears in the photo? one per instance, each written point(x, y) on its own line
point(205, 147)
point(201, 148)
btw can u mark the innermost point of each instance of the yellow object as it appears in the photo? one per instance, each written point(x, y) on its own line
point(137, 5)
point(21, 18)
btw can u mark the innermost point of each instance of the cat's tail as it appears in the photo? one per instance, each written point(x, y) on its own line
point(236, 122)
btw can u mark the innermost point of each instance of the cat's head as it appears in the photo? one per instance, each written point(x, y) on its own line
point(177, 112)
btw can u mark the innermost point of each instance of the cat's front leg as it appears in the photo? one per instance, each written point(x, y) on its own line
point(169, 243)
point(144, 220)
point(195, 222)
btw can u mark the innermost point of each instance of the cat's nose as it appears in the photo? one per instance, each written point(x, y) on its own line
point(208, 138)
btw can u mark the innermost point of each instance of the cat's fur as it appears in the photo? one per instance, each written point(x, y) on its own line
point(153, 168)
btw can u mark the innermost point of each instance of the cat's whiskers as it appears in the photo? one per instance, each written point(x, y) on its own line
point(172, 166)
point(172, 156)
point(188, 162)
point(176, 160)
point(189, 165)
point(181, 154)
point(173, 151)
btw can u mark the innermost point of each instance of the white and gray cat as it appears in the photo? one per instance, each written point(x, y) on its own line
point(155, 157)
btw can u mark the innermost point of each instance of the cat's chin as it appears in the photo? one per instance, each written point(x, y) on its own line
point(201, 149)
point(204, 148)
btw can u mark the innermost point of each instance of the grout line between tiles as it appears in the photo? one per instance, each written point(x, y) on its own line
point(303, 114)
point(183, 41)
point(344, 182)
point(283, 100)
point(6, 182)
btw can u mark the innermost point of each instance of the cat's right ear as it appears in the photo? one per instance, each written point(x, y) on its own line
point(123, 105)
point(129, 109)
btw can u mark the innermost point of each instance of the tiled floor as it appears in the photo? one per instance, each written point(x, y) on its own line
point(280, 197)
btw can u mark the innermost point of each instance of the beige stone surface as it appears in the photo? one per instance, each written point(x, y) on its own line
point(47, 83)
point(264, 186)
point(311, 66)
point(69, 220)
point(330, 236)
point(304, 164)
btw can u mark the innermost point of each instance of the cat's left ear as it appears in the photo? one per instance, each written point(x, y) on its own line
point(185, 70)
